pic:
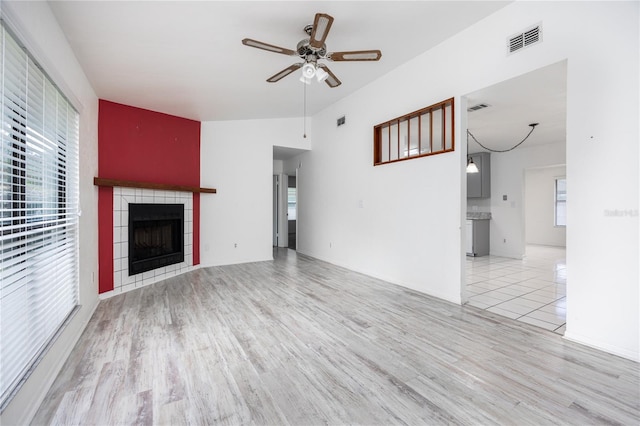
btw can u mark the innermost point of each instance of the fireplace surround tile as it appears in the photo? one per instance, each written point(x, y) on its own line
point(122, 281)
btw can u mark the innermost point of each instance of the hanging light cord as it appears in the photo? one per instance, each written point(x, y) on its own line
point(304, 109)
point(533, 126)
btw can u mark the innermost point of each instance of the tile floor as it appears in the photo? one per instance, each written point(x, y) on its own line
point(532, 290)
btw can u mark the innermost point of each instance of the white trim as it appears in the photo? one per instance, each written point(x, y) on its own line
point(615, 350)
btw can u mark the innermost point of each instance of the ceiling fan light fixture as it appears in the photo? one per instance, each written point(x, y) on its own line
point(321, 75)
point(308, 70)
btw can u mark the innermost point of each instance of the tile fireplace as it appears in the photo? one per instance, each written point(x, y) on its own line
point(163, 235)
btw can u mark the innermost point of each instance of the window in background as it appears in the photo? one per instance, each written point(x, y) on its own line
point(291, 204)
point(39, 220)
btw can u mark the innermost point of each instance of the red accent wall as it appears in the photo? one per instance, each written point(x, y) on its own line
point(146, 146)
point(105, 239)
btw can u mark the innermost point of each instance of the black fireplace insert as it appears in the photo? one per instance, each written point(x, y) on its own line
point(156, 236)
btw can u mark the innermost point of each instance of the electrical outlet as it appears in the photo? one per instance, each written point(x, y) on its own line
point(504, 241)
point(235, 245)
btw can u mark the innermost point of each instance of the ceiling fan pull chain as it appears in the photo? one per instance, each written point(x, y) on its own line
point(304, 111)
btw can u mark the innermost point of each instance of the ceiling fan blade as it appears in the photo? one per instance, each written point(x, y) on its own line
point(264, 46)
point(285, 72)
point(321, 25)
point(356, 55)
point(332, 80)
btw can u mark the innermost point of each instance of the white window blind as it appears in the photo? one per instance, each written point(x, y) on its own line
point(39, 177)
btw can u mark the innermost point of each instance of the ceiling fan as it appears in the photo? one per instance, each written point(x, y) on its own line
point(313, 49)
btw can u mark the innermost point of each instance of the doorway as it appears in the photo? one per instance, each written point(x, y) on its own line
point(514, 280)
point(287, 163)
point(292, 211)
point(285, 211)
point(281, 210)
point(545, 201)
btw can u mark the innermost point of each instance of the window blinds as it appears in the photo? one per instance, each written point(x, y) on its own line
point(39, 221)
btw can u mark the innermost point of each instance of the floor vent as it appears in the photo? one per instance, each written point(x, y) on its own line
point(524, 39)
point(477, 107)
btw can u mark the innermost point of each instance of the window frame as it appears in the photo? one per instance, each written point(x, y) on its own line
point(557, 201)
point(444, 122)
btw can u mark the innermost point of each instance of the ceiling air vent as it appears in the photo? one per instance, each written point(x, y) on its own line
point(477, 107)
point(524, 39)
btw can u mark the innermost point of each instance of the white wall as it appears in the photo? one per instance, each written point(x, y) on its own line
point(507, 178)
point(402, 222)
point(602, 130)
point(479, 204)
point(236, 158)
point(278, 166)
point(390, 221)
point(36, 26)
point(539, 207)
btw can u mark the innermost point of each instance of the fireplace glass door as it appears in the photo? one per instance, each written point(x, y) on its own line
point(156, 236)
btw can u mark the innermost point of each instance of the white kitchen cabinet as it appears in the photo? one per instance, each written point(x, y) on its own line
point(469, 243)
point(477, 237)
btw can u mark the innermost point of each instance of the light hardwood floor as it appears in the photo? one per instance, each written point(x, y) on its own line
point(298, 341)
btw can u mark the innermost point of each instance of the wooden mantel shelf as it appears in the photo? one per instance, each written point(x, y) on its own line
point(148, 185)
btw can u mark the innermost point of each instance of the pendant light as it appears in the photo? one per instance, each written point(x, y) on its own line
point(471, 166)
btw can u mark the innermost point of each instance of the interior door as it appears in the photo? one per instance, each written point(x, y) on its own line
point(275, 211)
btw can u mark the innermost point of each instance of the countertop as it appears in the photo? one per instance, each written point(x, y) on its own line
point(478, 215)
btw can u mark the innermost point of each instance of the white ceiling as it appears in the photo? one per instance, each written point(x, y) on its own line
point(186, 58)
point(536, 97)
